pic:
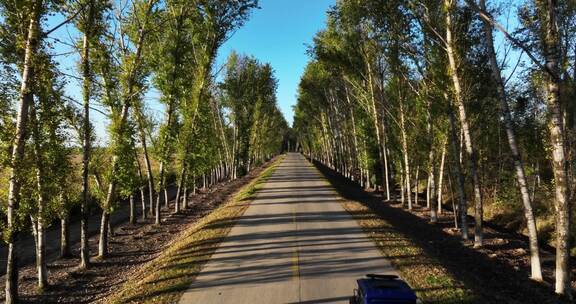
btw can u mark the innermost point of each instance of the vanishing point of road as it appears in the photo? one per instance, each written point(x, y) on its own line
point(294, 244)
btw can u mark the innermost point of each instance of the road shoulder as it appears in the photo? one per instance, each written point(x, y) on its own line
point(164, 279)
point(436, 265)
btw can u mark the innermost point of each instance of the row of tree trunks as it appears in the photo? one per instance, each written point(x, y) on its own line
point(123, 118)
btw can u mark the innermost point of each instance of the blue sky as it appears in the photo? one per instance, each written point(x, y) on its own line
point(277, 34)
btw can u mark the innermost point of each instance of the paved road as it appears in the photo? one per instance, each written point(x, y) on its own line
point(294, 244)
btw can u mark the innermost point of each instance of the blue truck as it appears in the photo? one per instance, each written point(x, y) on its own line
point(383, 289)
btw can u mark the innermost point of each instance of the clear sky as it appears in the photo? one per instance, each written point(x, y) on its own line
point(278, 34)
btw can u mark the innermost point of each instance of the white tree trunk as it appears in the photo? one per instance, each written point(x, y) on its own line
point(441, 178)
point(462, 206)
point(459, 98)
point(536, 271)
point(25, 101)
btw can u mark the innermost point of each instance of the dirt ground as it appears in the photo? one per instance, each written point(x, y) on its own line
point(130, 248)
point(497, 273)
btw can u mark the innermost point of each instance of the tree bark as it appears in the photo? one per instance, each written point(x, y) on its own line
point(161, 185)
point(386, 166)
point(402, 186)
point(463, 209)
point(536, 271)
point(473, 157)
point(148, 167)
point(132, 219)
point(143, 201)
point(562, 202)
point(179, 190)
point(405, 157)
point(375, 118)
point(18, 144)
point(441, 178)
point(416, 186)
point(141, 188)
point(185, 193)
point(64, 237)
point(86, 93)
point(431, 188)
point(103, 240)
point(40, 177)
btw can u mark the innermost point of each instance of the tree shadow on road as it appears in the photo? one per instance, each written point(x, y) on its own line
point(488, 280)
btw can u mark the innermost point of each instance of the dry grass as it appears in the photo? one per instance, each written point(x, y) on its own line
point(436, 264)
point(165, 279)
point(432, 282)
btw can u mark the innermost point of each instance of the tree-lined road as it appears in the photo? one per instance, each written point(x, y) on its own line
point(294, 244)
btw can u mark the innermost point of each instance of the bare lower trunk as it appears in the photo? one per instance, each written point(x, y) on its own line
point(161, 184)
point(428, 191)
point(193, 184)
point(179, 190)
point(458, 172)
point(386, 173)
point(39, 250)
point(166, 200)
point(64, 237)
point(103, 240)
point(441, 178)
point(143, 202)
point(416, 188)
point(535, 180)
point(132, 220)
point(41, 257)
point(432, 189)
point(149, 175)
point(185, 194)
point(402, 187)
point(431, 182)
point(454, 206)
point(84, 246)
point(405, 157)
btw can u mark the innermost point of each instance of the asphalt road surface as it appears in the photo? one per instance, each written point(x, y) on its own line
point(294, 244)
